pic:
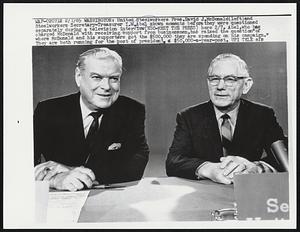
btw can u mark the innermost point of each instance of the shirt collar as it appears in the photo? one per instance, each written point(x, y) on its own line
point(85, 111)
point(232, 114)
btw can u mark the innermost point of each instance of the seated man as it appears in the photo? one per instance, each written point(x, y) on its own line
point(226, 135)
point(93, 136)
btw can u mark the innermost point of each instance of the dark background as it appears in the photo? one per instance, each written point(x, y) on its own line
point(168, 78)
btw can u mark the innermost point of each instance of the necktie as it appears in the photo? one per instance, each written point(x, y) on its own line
point(94, 126)
point(226, 134)
point(92, 132)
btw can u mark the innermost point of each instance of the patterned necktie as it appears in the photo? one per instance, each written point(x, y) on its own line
point(226, 134)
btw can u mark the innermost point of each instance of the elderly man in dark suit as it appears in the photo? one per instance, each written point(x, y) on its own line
point(226, 135)
point(93, 136)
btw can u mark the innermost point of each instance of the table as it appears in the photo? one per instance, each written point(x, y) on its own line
point(157, 199)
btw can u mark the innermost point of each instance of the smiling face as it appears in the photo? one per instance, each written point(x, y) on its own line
point(99, 82)
point(226, 98)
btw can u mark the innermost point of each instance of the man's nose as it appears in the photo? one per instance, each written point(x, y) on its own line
point(105, 84)
point(221, 84)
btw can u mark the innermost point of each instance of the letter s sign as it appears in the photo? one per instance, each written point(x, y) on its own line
point(272, 205)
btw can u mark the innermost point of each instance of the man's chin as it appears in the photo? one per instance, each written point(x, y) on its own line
point(105, 102)
point(222, 105)
point(104, 105)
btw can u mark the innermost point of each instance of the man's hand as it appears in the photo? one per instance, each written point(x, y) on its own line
point(45, 171)
point(74, 179)
point(232, 165)
point(214, 172)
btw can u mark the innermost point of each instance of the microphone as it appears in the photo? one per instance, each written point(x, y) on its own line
point(280, 153)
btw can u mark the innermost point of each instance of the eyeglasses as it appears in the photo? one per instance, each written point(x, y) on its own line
point(229, 80)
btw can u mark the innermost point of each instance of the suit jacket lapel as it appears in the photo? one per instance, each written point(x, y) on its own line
point(75, 126)
point(241, 126)
point(212, 129)
point(109, 127)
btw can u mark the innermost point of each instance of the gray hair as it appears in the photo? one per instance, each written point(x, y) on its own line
point(242, 64)
point(99, 53)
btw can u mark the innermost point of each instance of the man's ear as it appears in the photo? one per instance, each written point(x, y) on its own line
point(248, 82)
point(77, 76)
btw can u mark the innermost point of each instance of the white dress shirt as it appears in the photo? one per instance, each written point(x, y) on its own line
point(87, 119)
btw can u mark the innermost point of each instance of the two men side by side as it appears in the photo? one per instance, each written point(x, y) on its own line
point(226, 135)
point(94, 136)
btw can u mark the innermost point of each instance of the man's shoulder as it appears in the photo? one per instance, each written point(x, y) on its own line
point(205, 109)
point(255, 106)
point(197, 108)
point(58, 104)
point(60, 99)
point(129, 103)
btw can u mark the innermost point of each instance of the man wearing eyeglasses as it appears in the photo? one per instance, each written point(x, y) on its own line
point(94, 136)
point(227, 135)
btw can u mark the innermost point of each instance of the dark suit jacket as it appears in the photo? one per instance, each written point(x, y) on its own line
point(197, 137)
point(59, 136)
